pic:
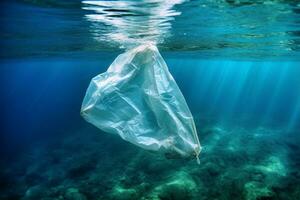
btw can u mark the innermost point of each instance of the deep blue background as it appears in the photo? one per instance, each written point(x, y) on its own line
point(41, 98)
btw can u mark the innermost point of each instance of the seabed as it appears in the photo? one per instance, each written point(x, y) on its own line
point(236, 163)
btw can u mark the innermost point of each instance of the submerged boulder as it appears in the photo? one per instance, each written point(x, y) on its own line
point(120, 193)
point(74, 194)
point(35, 192)
point(179, 187)
point(255, 190)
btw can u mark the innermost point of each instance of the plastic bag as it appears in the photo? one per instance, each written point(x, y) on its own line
point(138, 99)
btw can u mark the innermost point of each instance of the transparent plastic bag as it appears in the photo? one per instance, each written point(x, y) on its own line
point(138, 99)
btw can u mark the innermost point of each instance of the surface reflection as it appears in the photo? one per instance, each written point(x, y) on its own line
point(129, 23)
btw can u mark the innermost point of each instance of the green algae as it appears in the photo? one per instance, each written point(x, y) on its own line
point(236, 163)
point(180, 186)
point(256, 190)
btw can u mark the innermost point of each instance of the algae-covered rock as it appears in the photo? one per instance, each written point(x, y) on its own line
point(74, 194)
point(35, 192)
point(179, 187)
point(273, 166)
point(120, 193)
point(255, 190)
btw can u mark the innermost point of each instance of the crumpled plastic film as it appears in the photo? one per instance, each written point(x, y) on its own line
point(138, 99)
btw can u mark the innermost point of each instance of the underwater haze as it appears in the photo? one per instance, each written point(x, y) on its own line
point(237, 63)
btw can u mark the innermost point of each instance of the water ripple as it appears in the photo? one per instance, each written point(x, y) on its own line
point(209, 29)
point(130, 23)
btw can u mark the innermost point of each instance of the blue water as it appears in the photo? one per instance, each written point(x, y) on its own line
point(245, 99)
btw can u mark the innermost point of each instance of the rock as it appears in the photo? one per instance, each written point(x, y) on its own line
point(120, 193)
point(35, 192)
point(74, 194)
point(179, 187)
point(213, 169)
point(255, 190)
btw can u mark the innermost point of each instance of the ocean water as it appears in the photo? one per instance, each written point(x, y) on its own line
point(237, 64)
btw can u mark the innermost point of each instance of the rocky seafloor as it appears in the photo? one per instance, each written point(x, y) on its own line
point(237, 162)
